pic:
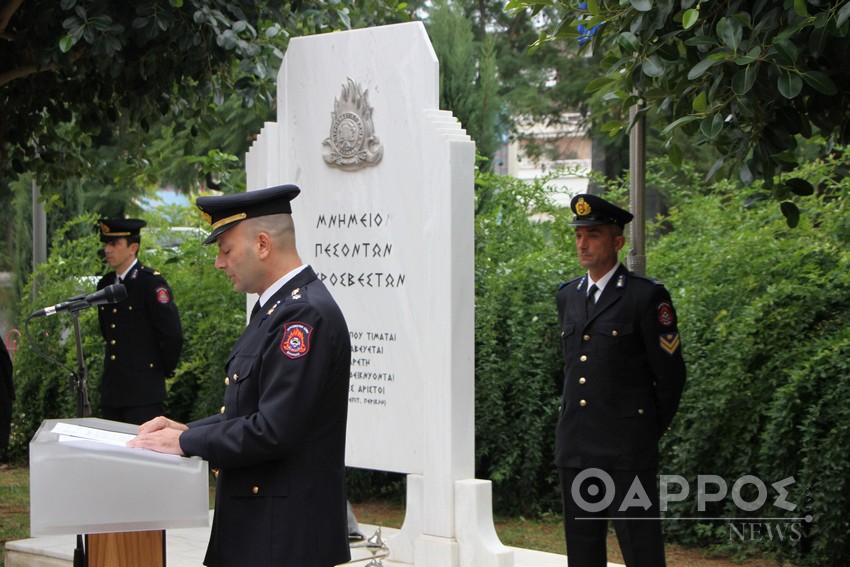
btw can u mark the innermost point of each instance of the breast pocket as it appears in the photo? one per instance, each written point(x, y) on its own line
point(621, 339)
point(567, 331)
point(241, 396)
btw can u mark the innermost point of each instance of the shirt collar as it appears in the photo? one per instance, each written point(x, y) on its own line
point(603, 281)
point(127, 271)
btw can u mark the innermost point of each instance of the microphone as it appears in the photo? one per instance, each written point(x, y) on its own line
point(110, 294)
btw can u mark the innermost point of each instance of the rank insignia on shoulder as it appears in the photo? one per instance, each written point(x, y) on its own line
point(621, 281)
point(669, 342)
point(296, 339)
point(272, 308)
point(162, 295)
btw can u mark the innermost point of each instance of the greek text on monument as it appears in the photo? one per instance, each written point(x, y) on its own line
point(353, 250)
point(370, 386)
point(352, 220)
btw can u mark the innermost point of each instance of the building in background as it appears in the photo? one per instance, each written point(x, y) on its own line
point(540, 149)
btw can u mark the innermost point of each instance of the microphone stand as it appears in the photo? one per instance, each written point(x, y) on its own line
point(78, 380)
point(78, 383)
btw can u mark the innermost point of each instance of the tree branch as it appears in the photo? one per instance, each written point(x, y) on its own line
point(25, 71)
point(7, 11)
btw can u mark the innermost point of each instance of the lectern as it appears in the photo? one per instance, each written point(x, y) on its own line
point(82, 482)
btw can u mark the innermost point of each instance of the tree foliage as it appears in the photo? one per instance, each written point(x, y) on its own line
point(747, 79)
point(74, 69)
point(468, 83)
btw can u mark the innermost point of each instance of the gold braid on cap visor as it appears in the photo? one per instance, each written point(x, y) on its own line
point(230, 219)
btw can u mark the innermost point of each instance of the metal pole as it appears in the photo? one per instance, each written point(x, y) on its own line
point(39, 234)
point(636, 260)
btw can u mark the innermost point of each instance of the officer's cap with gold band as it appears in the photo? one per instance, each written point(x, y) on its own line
point(591, 210)
point(225, 211)
point(113, 229)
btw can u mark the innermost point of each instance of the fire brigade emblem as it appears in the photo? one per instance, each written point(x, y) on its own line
point(582, 207)
point(352, 143)
point(296, 339)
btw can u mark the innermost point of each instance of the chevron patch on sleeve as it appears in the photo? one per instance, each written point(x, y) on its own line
point(669, 342)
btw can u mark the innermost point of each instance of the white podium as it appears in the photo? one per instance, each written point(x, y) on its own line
point(82, 485)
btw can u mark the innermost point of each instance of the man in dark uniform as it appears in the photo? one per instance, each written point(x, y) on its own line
point(143, 333)
point(7, 397)
point(623, 378)
point(279, 442)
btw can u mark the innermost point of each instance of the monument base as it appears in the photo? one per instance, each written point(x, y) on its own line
point(476, 543)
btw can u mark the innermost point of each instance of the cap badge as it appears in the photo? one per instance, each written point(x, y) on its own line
point(582, 207)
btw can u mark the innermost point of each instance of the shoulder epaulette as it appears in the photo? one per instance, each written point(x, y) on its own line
point(647, 278)
point(565, 284)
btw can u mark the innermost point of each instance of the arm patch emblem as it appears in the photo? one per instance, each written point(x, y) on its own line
point(162, 295)
point(669, 342)
point(665, 314)
point(296, 339)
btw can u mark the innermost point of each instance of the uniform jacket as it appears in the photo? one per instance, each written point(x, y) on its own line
point(143, 339)
point(623, 373)
point(279, 441)
point(7, 396)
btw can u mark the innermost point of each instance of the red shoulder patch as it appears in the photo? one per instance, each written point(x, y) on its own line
point(296, 339)
point(162, 295)
point(665, 314)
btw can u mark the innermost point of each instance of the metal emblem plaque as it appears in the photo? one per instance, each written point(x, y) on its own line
point(352, 144)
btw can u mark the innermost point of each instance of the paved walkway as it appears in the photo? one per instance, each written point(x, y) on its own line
point(185, 548)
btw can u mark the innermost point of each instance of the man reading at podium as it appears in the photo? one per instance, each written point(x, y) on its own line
point(279, 442)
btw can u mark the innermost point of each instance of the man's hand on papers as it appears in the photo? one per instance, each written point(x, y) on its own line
point(159, 434)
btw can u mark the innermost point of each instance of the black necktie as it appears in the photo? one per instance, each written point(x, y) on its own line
point(591, 299)
point(255, 308)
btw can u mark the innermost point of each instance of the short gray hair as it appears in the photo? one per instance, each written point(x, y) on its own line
point(280, 228)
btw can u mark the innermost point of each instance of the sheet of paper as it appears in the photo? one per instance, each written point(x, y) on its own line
point(66, 430)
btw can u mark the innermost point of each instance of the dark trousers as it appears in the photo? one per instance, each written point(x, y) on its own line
point(135, 414)
point(586, 514)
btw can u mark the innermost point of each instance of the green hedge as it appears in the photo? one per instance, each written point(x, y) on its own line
point(521, 257)
point(765, 321)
